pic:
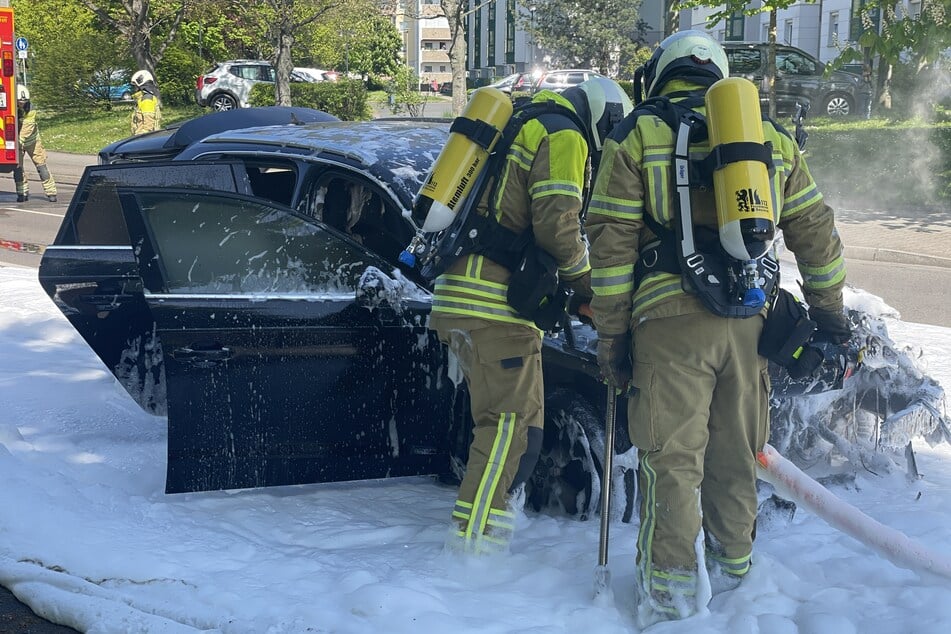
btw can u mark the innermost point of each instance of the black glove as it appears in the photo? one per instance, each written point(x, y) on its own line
point(831, 326)
point(806, 364)
point(614, 359)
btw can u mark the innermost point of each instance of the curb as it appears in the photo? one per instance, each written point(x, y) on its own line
point(875, 254)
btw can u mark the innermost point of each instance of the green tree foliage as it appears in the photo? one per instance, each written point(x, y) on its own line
point(908, 49)
point(146, 26)
point(355, 37)
point(601, 34)
point(63, 62)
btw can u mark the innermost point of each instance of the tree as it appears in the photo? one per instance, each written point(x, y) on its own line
point(63, 62)
point(916, 42)
point(139, 21)
point(356, 37)
point(604, 34)
point(731, 8)
point(456, 13)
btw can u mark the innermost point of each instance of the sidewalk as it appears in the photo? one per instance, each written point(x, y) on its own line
point(903, 238)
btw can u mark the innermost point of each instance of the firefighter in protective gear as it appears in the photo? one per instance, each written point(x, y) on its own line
point(147, 113)
point(31, 145)
point(700, 411)
point(497, 351)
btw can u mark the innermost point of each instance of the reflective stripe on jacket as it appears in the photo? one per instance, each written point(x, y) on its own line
point(636, 177)
point(540, 187)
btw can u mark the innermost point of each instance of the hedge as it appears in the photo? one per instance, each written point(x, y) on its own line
point(883, 168)
point(346, 99)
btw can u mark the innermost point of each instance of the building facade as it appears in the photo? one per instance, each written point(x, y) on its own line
point(499, 41)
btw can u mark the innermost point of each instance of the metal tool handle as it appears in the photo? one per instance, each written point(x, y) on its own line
point(609, 420)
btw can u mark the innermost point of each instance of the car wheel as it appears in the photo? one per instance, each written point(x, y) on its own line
point(126, 96)
point(567, 478)
point(223, 102)
point(838, 105)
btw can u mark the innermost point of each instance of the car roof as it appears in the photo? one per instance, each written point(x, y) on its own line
point(396, 152)
point(168, 142)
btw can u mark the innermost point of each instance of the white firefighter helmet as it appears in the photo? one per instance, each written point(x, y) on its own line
point(693, 56)
point(141, 77)
point(601, 103)
point(23, 93)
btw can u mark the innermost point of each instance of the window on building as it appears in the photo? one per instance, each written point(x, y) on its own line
point(833, 28)
point(914, 9)
point(427, 69)
point(428, 46)
point(766, 32)
point(787, 32)
point(735, 26)
point(493, 54)
point(857, 25)
point(442, 46)
point(442, 68)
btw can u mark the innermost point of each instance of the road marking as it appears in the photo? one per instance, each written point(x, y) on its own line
point(30, 211)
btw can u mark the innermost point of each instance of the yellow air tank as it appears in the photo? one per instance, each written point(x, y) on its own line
point(463, 157)
point(743, 199)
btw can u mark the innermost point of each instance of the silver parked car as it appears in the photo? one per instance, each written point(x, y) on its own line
point(558, 80)
point(228, 85)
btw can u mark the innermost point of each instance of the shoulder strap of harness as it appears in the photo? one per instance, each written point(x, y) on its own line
point(470, 231)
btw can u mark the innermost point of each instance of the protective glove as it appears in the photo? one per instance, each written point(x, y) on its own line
point(806, 364)
point(614, 360)
point(831, 326)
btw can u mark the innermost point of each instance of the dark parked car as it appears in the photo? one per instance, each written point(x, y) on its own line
point(250, 289)
point(799, 79)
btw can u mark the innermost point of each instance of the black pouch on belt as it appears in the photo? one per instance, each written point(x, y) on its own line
point(534, 292)
point(787, 330)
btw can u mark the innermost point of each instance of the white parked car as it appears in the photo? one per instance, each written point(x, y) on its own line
point(313, 74)
point(228, 85)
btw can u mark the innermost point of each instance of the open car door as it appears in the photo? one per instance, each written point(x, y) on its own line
point(291, 356)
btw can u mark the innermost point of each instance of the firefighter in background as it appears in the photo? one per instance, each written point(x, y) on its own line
point(700, 411)
point(498, 351)
point(147, 113)
point(32, 145)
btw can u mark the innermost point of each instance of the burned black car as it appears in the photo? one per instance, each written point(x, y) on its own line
point(249, 289)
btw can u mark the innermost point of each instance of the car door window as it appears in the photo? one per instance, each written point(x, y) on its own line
point(95, 216)
point(744, 62)
point(213, 243)
point(575, 78)
point(793, 63)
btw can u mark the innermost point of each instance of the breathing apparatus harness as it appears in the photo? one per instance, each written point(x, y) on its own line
point(534, 288)
point(727, 286)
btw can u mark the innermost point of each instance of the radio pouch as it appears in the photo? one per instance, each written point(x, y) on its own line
point(786, 332)
point(534, 291)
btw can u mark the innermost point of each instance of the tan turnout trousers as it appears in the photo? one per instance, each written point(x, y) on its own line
point(701, 407)
point(502, 365)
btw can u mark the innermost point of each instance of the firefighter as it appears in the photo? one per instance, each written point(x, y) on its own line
point(147, 113)
point(699, 413)
point(540, 187)
point(32, 145)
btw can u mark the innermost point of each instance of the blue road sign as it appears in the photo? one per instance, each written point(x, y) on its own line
point(22, 44)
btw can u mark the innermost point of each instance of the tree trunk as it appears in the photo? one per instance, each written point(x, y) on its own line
point(770, 78)
point(283, 66)
point(457, 62)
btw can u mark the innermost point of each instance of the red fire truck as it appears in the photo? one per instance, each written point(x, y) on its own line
point(8, 101)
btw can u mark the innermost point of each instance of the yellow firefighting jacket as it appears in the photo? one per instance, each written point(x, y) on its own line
point(636, 178)
point(29, 132)
point(541, 187)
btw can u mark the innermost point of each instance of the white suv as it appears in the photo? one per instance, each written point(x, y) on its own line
point(228, 85)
